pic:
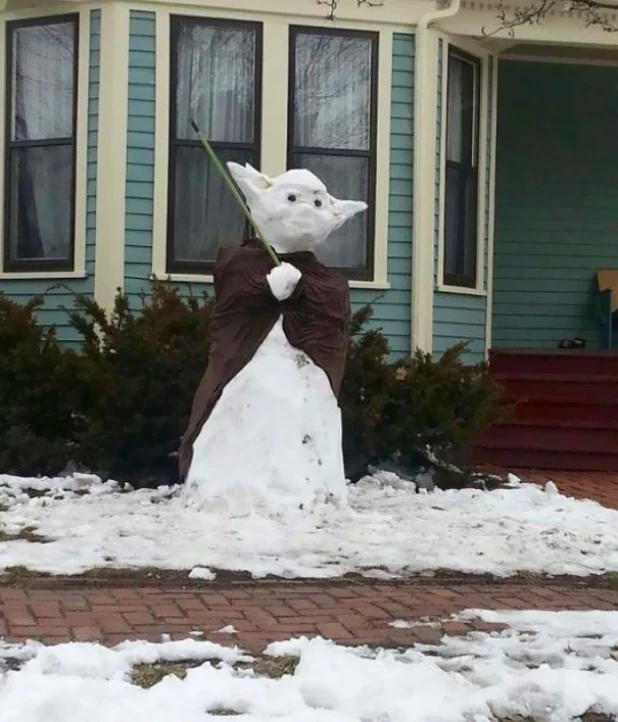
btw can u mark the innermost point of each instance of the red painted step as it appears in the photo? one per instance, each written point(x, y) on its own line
point(564, 411)
point(537, 459)
point(538, 410)
point(554, 362)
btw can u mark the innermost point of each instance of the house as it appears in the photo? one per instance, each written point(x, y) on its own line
point(488, 156)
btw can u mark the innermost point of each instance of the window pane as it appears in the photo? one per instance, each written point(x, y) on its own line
point(460, 226)
point(460, 110)
point(453, 240)
point(40, 206)
point(206, 215)
point(470, 230)
point(42, 65)
point(215, 77)
point(345, 178)
point(332, 96)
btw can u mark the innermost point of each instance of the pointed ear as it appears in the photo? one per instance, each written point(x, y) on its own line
point(344, 210)
point(250, 181)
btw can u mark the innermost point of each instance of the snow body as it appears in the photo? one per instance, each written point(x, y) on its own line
point(273, 439)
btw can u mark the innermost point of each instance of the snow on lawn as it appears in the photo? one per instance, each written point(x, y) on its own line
point(548, 666)
point(386, 528)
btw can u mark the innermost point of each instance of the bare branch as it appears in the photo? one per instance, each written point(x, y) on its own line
point(593, 13)
point(333, 4)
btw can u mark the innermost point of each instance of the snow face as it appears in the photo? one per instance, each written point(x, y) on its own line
point(548, 666)
point(294, 211)
point(384, 530)
point(273, 440)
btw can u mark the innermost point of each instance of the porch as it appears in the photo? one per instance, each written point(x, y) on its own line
point(556, 227)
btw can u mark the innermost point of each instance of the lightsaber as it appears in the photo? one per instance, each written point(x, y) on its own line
point(212, 156)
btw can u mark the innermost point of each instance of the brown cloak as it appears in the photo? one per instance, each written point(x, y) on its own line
point(315, 320)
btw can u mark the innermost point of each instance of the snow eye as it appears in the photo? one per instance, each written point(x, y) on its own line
point(318, 203)
point(292, 198)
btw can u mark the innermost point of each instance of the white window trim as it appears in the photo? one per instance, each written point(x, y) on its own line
point(81, 143)
point(480, 288)
point(274, 128)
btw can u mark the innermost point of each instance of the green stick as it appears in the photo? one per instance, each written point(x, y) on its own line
point(212, 156)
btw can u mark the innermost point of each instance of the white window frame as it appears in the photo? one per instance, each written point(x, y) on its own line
point(273, 142)
point(81, 143)
point(483, 234)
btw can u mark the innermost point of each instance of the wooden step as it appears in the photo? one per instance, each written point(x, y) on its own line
point(570, 361)
point(538, 459)
point(564, 386)
point(603, 412)
point(552, 438)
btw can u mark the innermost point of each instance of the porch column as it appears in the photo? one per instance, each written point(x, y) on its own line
point(425, 139)
point(112, 152)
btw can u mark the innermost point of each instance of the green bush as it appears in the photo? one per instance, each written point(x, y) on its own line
point(120, 406)
point(408, 406)
point(38, 393)
point(140, 371)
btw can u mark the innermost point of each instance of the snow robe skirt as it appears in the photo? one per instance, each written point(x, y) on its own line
point(315, 320)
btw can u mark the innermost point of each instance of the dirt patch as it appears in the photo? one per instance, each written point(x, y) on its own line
point(112, 578)
point(147, 675)
point(273, 667)
point(28, 533)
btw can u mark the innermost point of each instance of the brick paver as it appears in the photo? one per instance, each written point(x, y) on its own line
point(262, 612)
point(600, 486)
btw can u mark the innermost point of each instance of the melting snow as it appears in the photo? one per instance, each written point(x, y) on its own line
point(387, 529)
point(548, 666)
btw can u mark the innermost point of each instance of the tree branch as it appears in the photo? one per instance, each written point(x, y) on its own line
point(594, 13)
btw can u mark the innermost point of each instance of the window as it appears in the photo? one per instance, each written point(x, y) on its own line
point(332, 130)
point(462, 153)
point(214, 81)
point(41, 106)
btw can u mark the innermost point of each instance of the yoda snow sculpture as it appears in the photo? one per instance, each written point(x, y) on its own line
point(265, 426)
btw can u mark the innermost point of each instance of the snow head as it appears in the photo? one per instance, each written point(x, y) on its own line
point(294, 211)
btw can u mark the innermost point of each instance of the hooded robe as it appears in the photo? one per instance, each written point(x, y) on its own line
point(316, 320)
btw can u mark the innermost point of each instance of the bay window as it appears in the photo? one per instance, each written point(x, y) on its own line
point(462, 178)
point(41, 110)
point(215, 80)
point(332, 131)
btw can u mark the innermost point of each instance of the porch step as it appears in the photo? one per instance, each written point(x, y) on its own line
point(576, 387)
point(564, 411)
point(560, 411)
point(554, 361)
point(554, 460)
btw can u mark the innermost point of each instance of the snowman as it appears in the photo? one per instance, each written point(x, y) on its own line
point(265, 428)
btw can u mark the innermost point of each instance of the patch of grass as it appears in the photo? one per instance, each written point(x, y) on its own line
point(221, 712)
point(274, 667)
point(610, 579)
point(18, 574)
point(147, 675)
point(28, 533)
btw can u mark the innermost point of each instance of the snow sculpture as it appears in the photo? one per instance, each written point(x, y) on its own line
point(265, 427)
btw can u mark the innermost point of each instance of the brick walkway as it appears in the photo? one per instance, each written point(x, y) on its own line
point(357, 613)
point(347, 612)
point(600, 486)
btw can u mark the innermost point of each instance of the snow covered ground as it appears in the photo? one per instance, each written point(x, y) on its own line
point(387, 529)
point(547, 667)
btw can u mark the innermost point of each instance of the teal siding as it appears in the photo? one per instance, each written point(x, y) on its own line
point(140, 152)
point(556, 200)
point(460, 317)
point(59, 294)
point(392, 307)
